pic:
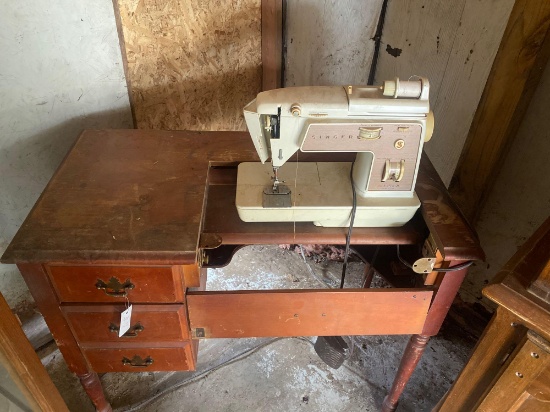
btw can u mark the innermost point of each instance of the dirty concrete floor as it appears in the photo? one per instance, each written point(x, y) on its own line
point(278, 374)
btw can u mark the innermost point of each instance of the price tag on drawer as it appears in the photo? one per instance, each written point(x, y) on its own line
point(125, 319)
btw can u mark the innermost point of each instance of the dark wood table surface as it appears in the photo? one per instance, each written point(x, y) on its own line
point(147, 196)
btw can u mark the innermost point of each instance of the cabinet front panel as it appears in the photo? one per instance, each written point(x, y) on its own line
point(155, 284)
point(95, 325)
point(141, 359)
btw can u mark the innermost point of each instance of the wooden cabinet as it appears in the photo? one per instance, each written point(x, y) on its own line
point(509, 369)
point(92, 298)
point(523, 384)
point(136, 217)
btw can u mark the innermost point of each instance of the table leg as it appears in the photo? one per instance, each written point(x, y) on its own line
point(369, 276)
point(92, 385)
point(411, 357)
point(439, 308)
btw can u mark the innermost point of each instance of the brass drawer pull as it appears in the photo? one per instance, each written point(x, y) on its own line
point(114, 287)
point(132, 333)
point(137, 362)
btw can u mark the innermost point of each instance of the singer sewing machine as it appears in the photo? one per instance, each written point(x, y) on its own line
point(387, 127)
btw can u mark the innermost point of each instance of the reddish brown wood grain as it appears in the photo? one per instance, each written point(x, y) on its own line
point(135, 204)
point(43, 293)
point(191, 275)
point(92, 385)
point(443, 299)
point(164, 359)
point(145, 202)
point(151, 284)
point(159, 323)
point(18, 357)
point(307, 312)
point(126, 194)
point(411, 357)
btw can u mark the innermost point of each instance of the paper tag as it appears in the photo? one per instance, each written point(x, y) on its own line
point(125, 318)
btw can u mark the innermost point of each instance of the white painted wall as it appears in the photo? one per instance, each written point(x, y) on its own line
point(329, 42)
point(453, 43)
point(60, 72)
point(520, 199)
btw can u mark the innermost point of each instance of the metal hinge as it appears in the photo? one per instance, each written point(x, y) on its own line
point(429, 252)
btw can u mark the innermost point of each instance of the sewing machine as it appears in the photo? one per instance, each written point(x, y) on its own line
point(386, 126)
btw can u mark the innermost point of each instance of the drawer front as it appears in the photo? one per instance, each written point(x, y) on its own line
point(141, 360)
point(97, 326)
point(156, 284)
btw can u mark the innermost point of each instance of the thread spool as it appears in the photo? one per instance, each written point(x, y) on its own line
point(408, 88)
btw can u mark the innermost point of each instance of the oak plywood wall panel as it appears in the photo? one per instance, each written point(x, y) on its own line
point(454, 45)
point(191, 64)
point(329, 42)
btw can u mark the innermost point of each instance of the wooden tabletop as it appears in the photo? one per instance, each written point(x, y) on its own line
point(132, 195)
point(139, 195)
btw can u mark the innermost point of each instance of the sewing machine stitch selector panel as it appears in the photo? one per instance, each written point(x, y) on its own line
point(392, 143)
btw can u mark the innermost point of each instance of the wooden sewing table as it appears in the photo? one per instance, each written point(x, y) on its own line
point(140, 215)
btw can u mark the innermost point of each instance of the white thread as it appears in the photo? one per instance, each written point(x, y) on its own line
point(295, 195)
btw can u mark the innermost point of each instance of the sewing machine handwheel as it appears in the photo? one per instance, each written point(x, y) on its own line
point(430, 123)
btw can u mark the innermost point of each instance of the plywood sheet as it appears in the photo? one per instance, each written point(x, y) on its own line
point(454, 45)
point(191, 64)
point(329, 42)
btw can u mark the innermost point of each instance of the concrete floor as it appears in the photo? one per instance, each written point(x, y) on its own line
point(278, 374)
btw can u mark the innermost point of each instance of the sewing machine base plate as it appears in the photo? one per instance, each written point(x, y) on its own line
point(320, 193)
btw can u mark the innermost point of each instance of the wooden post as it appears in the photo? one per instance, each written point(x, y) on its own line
point(21, 361)
point(517, 68)
point(272, 44)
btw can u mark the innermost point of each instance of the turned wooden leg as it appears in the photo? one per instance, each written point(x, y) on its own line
point(92, 386)
point(413, 353)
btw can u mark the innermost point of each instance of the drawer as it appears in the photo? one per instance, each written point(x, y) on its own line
point(97, 325)
point(154, 284)
point(141, 360)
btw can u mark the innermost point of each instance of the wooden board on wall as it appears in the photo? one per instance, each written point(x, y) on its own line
point(518, 66)
point(330, 42)
point(454, 45)
point(191, 64)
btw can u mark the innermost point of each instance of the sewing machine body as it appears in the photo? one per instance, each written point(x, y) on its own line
point(386, 132)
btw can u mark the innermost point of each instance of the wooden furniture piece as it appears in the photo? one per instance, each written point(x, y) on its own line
point(509, 369)
point(24, 366)
point(137, 216)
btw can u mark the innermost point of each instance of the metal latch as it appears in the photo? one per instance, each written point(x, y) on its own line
point(426, 263)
